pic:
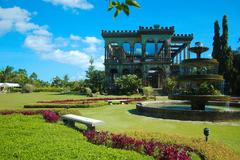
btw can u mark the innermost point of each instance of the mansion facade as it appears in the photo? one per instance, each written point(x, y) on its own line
point(149, 52)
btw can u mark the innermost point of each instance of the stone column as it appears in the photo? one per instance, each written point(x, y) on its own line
point(177, 59)
point(143, 51)
point(132, 51)
point(184, 53)
point(167, 49)
point(188, 52)
point(105, 56)
point(180, 57)
point(156, 50)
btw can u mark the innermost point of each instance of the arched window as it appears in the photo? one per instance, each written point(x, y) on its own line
point(113, 74)
point(126, 48)
point(150, 48)
point(137, 49)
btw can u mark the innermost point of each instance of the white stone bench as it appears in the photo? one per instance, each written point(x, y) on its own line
point(70, 119)
point(121, 101)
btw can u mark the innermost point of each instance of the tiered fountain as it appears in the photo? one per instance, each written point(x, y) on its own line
point(198, 80)
point(198, 94)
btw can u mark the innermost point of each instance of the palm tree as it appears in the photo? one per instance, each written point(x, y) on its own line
point(6, 74)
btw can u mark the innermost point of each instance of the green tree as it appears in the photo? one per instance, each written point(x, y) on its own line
point(95, 78)
point(6, 74)
point(57, 82)
point(33, 76)
point(20, 76)
point(128, 84)
point(66, 80)
point(216, 42)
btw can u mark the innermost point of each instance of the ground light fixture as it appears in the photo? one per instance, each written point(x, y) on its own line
point(206, 132)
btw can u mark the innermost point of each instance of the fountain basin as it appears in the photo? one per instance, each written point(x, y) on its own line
point(183, 111)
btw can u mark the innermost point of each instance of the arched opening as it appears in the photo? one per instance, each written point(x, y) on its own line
point(126, 48)
point(137, 49)
point(138, 72)
point(113, 74)
point(156, 77)
point(125, 71)
point(150, 48)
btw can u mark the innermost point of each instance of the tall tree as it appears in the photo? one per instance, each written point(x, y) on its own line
point(33, 76)
point(224, 46)
point(216, 42)
point(95, 78)
point(6, 74)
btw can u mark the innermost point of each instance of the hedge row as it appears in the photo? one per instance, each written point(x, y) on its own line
point(45, 105)
point(49, 116)
point(48, 89)
point(89, 100)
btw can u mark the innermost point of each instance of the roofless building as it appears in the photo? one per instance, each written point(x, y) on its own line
point(149, 52)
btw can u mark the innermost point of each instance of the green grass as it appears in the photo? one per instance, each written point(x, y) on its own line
point(121, 118)
point(29, 137)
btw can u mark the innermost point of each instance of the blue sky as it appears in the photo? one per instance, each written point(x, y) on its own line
point(55, 37)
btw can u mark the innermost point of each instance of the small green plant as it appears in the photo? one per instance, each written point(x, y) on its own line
point(148, 91)
point(28, 88)
point(88, 92)
point(170, 83)
point(208, 89)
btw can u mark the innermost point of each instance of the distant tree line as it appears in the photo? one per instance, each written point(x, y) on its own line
point(229, 63)
point(94, 81)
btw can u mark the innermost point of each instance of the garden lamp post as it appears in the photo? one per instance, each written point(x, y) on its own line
point(206, 132)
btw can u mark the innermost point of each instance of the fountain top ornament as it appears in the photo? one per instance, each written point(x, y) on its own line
point(198, 49)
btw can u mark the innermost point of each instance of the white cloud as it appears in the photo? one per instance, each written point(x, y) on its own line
point(72, 4)
point(15, 19)
point(38, 43)
point(74, 37)
point(92, 40)
point(73, 50)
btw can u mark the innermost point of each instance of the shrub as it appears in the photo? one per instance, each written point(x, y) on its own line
point(170, 83)
point(152, 148)
point(148, 91)
point(50, 116)
point(208, 89)
point(88, 92)
point(46, 105)
point(28, 88)
point(48, 89)
point(128, 84)
point(66, 89)
point(16, 90)
point(68, 111)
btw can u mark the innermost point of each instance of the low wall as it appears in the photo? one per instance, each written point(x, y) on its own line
point(193, 115)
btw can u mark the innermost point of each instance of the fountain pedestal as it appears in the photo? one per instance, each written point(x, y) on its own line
point(198, 104)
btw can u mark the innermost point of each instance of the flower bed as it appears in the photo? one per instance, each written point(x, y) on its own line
point(65, 105)
point(152, 148)
point(49, 116)
point(90, 100)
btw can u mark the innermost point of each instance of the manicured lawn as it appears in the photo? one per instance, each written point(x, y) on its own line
point(121, 118)
point(29, 137)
